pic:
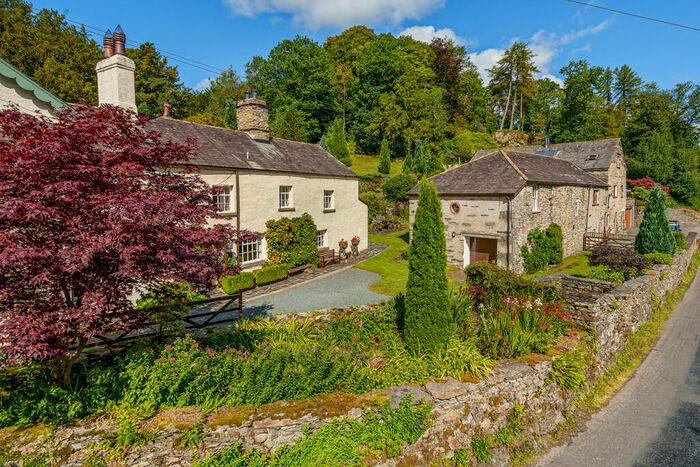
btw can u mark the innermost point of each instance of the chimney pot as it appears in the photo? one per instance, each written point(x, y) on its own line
point(255, 93)
point(119, 41)
point(247, 94)
point(166, 110)
point(108, 42)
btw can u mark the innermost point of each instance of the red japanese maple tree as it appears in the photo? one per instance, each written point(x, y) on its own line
point(90, 210)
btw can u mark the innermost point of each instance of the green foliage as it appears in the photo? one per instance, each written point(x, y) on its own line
point(640, 193)
point(490, 283)
point(167, 303)
point(481, 448)
point(195, 435)
point(239, 282)
point(376, 205)
point(384, 158)
point(337, 144)
point(395, 188)
point(288, 123)
point(291, 241)
point(323, 143)
point(271, 274)
point(681, 244)
point(230, 114)
point(607, 274)
point(545, 247)
point(407, 166)
point(206, 119)
point(568, 370)
point(382, 432)
point(466, 143)
point(659, 258)
point(428, 324)
point(654, 231)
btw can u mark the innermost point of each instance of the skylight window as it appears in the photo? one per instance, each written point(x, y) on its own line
point(592, 157)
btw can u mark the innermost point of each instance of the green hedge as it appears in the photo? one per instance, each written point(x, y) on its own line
point(242, 281)
point(271, 274)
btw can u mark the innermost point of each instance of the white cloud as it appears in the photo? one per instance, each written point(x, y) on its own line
point(428, 33)
point(339, 13)
point(545, 46)
point(202, 85)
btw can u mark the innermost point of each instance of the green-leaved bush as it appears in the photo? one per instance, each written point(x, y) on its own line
point(681, 244)
point(568, 370)
point(428, 324)
point(654, 231)
point(659, 258)
point(489, 283)
point(291, 241)
point(543, 247)
point(395, 188)
point(239, 282)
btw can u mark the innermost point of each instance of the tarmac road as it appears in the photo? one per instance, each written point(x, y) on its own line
point(655, 418)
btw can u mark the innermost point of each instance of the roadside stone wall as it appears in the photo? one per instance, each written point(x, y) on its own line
point(462, 409)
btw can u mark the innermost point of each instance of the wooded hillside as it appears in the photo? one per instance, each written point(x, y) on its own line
point(379, 87)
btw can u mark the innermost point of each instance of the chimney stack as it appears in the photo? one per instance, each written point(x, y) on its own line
point(166, 110)
point(115, 73)
point(251, 114)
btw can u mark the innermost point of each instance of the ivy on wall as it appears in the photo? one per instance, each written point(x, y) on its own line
point(543, 247)
point(291, 241)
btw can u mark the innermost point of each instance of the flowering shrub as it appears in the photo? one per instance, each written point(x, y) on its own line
point(648, 184)
point(518, 326)
point(488, 283)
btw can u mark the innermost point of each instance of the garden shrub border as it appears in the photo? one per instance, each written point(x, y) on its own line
point(463, 410)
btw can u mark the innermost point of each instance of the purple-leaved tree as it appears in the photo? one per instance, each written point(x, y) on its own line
point(90, 209)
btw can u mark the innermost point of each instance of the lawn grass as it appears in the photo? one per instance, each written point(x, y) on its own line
point(394, 272)
point(576, 265)
point(362, 164)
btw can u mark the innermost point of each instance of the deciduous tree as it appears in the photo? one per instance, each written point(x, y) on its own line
point(89, 212)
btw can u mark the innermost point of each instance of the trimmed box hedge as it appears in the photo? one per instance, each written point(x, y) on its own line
point(271, 274)
point(239, 282)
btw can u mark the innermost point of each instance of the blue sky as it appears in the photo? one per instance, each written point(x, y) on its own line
point(227, 33)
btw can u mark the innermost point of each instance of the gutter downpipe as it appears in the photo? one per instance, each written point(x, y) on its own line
point(588, 207)
point(238, 213)
point(508, 200)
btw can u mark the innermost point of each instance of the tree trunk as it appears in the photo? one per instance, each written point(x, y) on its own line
point(512, 110)
point(60, 372)
point(505, 108)
point(521, 113)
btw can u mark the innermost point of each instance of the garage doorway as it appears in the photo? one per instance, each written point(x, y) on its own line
point(479, 249)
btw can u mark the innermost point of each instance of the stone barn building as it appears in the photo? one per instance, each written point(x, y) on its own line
point(491, 203)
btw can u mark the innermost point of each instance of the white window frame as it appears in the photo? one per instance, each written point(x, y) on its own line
point(535, 198)
point(328, 200)
point(321, 238)
point(578, 207)
point(614, 191)
point(285, 196)
point(249, 251)
point(225, 193)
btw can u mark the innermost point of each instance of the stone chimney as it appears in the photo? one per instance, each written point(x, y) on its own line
point(115, 73)
point(251, 114)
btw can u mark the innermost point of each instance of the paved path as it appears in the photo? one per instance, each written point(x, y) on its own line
point(344, 288)
point(655, 418)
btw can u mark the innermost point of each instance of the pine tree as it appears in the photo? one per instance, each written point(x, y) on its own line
point(654, 231)
point(384, 158)
point(323, 143)
point(407, 166)
point(419, 159)
point(337, 144)
point(427, 320)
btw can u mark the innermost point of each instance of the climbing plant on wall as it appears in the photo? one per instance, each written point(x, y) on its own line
point(292, 241)
point(543, 247)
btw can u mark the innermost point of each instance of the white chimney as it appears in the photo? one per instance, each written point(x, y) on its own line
point(115, 73)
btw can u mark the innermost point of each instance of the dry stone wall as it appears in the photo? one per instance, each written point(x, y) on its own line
point(461, 409)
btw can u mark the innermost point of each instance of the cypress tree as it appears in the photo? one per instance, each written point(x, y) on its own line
point(654, 231)
point(230, 114)
point(323, 143)
point(407, 166)
point(427, 320)
point(419, 159)
point(337, 143)
point(384, 158)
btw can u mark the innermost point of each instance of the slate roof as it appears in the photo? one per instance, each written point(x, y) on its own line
point(232, 149)
point(577, 153)
point(28, 84)
point(501, 172)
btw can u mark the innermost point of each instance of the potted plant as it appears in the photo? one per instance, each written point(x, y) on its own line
point(342, 245)
point(355, 242)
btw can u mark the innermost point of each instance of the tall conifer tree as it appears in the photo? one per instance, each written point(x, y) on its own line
point(384, 158)
point(427, 321)
point(654, 231)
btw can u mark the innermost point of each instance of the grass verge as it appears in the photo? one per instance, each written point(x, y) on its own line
point(576, 265)
point(394, 271)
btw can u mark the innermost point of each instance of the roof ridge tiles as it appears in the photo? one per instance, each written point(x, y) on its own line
point(517, 169)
